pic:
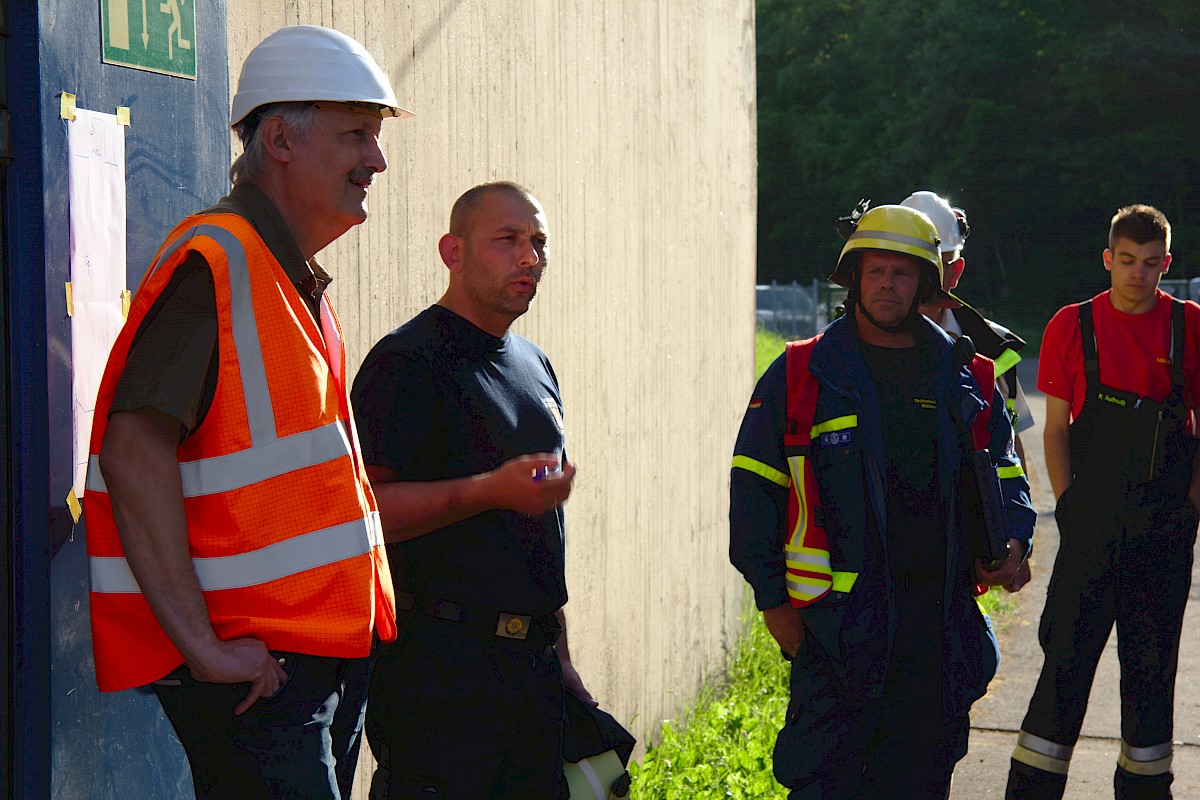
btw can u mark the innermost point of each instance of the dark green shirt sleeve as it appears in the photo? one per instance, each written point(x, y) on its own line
point(172, 363)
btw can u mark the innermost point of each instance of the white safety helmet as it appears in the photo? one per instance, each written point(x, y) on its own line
point(308, 63)
point(951, 229)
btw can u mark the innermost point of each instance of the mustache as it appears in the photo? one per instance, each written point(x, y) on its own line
point(363, 176)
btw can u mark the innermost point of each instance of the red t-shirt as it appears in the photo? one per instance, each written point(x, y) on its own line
point(1135, 352)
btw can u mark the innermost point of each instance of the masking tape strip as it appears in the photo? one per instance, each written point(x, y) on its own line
point(123, 115)
point(70, 300)
point(74, 505)
point(66, 106)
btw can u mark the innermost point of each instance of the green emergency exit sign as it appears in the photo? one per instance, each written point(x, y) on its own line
point(150, 35)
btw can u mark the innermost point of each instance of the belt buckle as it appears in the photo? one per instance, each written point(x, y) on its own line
point(513, 626)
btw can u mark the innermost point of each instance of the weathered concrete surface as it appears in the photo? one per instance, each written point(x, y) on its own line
point(634, 123)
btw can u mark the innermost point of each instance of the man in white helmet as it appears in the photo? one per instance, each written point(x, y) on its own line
point(235, 547)
point(991, 339)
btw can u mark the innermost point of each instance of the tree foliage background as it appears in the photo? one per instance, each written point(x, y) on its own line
point(1038, 117)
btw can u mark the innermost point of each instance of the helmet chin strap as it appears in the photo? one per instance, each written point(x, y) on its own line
point(905, 325)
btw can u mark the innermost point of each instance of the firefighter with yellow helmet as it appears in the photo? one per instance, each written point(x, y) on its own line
point(847, 520)
point(235, 547)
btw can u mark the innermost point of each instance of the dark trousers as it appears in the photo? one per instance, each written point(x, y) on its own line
point(301, 742)
point(1128, 565)
point(897, 747)
point(458, 715)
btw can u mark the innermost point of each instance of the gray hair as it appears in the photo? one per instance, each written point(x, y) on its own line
point(252, 163)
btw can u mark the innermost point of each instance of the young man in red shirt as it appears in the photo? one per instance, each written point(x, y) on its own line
point(1121, 373)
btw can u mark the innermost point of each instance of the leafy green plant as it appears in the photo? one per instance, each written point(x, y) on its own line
point(722, 747)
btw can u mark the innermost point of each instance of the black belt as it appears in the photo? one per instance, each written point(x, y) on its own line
point(529, 631)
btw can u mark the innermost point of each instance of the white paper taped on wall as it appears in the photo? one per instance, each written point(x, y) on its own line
point(97, 197)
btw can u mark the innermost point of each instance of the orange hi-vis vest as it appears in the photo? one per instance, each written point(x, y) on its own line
point(283, 528)
point(810, 574)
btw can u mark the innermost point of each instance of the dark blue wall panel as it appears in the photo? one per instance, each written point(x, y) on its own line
point(177, 153)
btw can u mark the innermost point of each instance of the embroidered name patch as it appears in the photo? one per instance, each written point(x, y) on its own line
point(928, 405)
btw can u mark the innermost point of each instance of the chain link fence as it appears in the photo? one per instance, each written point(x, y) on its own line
point(797, 310)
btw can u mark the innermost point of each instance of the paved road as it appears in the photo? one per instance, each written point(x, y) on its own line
point(996, 718)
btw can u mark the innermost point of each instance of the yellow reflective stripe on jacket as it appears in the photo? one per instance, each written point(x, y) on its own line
point(759, 468)
point(835, 424)
point(1006, 360)
point(1015, 471)
point(804, 588)
point(798, 553)
point(844, 581)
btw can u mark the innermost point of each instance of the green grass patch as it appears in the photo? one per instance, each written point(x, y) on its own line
point(722, 747)
point(767, 345)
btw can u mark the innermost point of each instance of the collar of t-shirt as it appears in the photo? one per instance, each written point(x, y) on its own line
point(466, 333)
point(249, 203)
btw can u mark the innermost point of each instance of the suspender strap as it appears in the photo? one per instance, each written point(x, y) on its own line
point(1091, 359)
point(1178, 339)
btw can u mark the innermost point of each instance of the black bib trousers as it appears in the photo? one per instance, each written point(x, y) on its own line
point(1127, 530)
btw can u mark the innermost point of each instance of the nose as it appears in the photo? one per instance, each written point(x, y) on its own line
point(529, 255)
point(375, 160)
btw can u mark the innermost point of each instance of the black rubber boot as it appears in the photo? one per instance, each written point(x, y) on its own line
point(1030, 783)
point(1128, 786)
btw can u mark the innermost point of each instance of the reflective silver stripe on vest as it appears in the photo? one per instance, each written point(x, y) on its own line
point(279, 560)
point(247, 467)
point(259, 414)
point(924, 244)
point(237, 470)
point(269, 456)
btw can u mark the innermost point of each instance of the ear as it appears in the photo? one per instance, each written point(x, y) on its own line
point(1108, 259)
point(956, 270)
point(1166, 263)
point(277, 139)
point(450, 249)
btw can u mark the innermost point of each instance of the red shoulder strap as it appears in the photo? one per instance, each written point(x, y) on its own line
point(984, 371)
point(801, 393)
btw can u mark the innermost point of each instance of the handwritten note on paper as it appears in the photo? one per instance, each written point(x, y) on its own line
point(97, 196)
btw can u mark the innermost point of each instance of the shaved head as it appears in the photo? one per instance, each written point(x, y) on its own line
point(463, 211)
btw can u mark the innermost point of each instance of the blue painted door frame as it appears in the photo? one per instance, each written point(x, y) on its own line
point(65, 739)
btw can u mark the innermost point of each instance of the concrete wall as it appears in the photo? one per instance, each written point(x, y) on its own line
point(634, 123)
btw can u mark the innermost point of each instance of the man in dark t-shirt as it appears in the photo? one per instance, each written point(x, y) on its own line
point(461, 423)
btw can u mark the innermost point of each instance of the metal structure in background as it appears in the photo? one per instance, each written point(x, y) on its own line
point(62, 737)
point(797, 310)
point(1183, 288)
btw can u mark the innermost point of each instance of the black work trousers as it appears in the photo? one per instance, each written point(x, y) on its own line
point(302, 741)
point(455, 715)
point(1123, 560)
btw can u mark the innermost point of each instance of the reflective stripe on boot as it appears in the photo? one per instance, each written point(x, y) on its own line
point(1043, 754)
point(1153, 760)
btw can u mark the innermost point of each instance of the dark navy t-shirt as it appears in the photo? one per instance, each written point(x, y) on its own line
point(439, 398)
